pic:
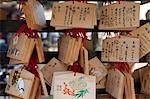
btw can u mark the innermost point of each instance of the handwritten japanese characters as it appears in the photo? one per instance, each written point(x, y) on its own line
point(123, 49)
point(143, 34)
point(119, 16)
point(75, 14)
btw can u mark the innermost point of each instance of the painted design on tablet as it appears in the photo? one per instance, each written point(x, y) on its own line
point(76, 88)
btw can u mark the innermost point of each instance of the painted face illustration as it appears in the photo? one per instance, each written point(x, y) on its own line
point(20, 86)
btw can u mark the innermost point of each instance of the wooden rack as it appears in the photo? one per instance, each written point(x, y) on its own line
point(13, 25)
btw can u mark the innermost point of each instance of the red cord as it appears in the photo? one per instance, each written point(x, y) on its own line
point(122, 66)
point(76, 32)
point(32, 66)
point(24, 29)
point(76, 68)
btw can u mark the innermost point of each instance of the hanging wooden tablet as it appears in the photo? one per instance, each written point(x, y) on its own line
point(35, 20)
point(44, 89)
point(26, 56)
point(20, 49)
point(34, 90)
point(123, 49)
point(68, 86)
point(84, 60)
point(17, 46)
point(143, 34)
point(66, 43)
point(115, 83)
point(76, 15)
point(129, 87)
point(20, 84)
point(53, 65)
point(69, 49)
point(97, 69)
point(39, 50)
point(30, 44)
point(57, 73)
point(123, 16)
point(38, 13)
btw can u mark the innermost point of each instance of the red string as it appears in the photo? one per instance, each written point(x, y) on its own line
point(76, 32)
point(21, 29)
point(32, 66)
point(76, 68)
point(24, 29)
point(122, 66)
point(32, 33)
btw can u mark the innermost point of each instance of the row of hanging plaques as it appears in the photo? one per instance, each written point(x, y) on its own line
point(117, 16)
point(64, 84)
point(70, 14)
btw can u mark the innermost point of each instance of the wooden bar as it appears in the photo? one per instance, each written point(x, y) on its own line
point(13, 26)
